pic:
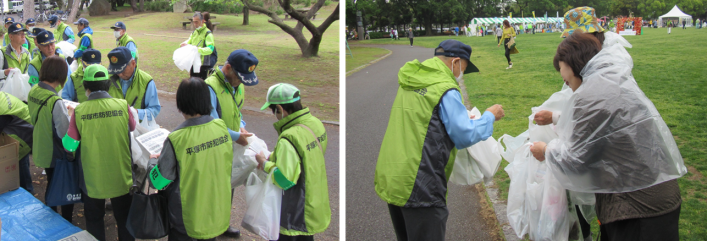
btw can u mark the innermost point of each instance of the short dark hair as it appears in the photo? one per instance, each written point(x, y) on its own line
point(53, 70)
point(290, 107)
point(576, 51)
point(193, 97)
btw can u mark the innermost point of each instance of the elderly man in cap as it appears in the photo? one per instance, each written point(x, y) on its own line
point(132, 84)
point(46, 46)
point(14, 55)
point(428, 124)
point(8, 22)
point(203, 39)
point(86, 38)
point(226, 86)
point(123, 40)
point(73, 88)
point(63, 32)
point(29, 24)
point(299, 153)
point(33, 35)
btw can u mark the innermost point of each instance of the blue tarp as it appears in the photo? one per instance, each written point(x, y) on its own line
point(24, 217)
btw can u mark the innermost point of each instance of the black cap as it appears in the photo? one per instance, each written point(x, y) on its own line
point(35, 32)
point(119, 25)
point(16, 27)
point(9, 20)
point(45, 37)
point(30, 21)
point(454, 48)
point(53, 20)
point(82, 21)
point(119, 58)
point(91, 56)
point(244, 62)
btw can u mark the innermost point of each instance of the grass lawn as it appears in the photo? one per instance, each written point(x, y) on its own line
point(670, 69)
point(158, 34)
point(362, 56)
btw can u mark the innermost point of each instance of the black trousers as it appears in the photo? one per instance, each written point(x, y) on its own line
point(95, 211)
point(663, 228)
point(508, 51)
point(410, 41)
point(419, 223)
point(295, 238)
point(203, 72)
point(175, 235)
point(67, 211)
point(583, 224)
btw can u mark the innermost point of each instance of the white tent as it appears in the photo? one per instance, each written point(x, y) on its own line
point(675, 13)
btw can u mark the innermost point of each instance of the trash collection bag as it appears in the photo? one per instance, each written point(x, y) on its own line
point(187, 57)
point(244, 161)
point(149, 124)
point(611, 137)
point(67, 49)
point(17, 84)
point(148, 217)
point(465, 171)
point(485, 153)
point(74, 66)
point(535, 186)
point(554, 216)
point(512, 145)
point(515, 209)
point(264, 200)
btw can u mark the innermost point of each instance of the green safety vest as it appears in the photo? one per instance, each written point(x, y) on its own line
point(77, 79)
point(123, 42)
point(59, 32)
point(45, 141)
point(417, 155)
point(198, 39)
point(12, 62)
point(105, 147)
point(37, 64)
point(11, 105)
point(305, 206)
point(90, 39)
point(136, 91)
point(229, 104)
point(31, 46)
point(205, 155)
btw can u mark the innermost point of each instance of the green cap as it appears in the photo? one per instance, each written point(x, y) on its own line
point(95, 72)
point(280, 94)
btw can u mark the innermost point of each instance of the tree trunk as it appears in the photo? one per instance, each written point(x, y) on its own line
point(246, 13)
point(74, 10)
point(142, 5)
point(28, 9)
point(133, 5)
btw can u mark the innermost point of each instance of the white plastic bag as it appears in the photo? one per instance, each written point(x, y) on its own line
point(554, 217)
point(140, 157)
point(17, 84)
point(149, 124)
point(187, 57)
point(67, 48)
point(264, 200)
point(512, 145)
point(517, 172)
point(485, 153)
point(74, 66)
point(465, 171)
point(244, 161)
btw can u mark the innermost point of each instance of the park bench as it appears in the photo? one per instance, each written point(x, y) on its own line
point(187, 23)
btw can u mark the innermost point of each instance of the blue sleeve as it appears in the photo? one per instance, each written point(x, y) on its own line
point(70, 33)
point(133, 49)
point(85, 43)
point(68, 91)
point(214, 102)
point(463, 131)
point(33, 75)
point(152, 102)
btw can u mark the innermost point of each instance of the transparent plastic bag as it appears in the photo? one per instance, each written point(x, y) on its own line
point(516, 208)
point(512, 145)
point(244, 161)
point(74, 66)
point(611, 137)
point(149, 124)
point(67, 49)
point(485, 153)
point(465, 171)
point(264, 200)
point(534, 192)
point(553, 223)
point(17, 84)
point(187, 57)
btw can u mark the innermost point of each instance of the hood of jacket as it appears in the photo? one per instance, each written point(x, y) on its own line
point(417, 75)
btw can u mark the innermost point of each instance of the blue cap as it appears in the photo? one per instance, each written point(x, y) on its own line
point(81, 21)
point(45, 37)
point(454, 48)
point(119, 25)
point(16, 27)
point(119, 58)
point(35, 31)
point(91, 56)
point(53, 20)
point(9, 20)
point(244, 63)
point(30, 21)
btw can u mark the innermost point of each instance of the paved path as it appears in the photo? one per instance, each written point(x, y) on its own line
point(370, 93)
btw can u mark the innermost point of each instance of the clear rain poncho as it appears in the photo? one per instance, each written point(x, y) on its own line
point(611, 137)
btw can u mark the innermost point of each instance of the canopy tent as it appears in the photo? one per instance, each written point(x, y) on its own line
point(497, 20)
point(676, 13)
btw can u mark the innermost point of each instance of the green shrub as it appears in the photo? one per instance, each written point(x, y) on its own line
point(378, 35)
point(307, 3)
point(158, 6)
point(327, 2)
point(279, 11)
point(220, 8)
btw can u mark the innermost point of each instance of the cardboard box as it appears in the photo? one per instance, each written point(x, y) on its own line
point(9, 164)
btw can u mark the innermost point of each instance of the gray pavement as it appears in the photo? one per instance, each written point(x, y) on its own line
point(370, 93)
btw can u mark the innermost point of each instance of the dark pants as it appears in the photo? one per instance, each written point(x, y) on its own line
point(295, 238)
point(175, 235)
point(25, 176)
point(419, 223)
point(410, 41)
point(95, 211)
point(67, 211)
point(663, 227)
point(203, 72)
point(583, 224)
point(508, 51)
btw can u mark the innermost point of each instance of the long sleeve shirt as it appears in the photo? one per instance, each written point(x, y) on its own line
point(68, 35)
point(235, 134)
point(85, 42)
point(508, 33)
point(152, 102)
point(34, 76)
point(463, 131)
